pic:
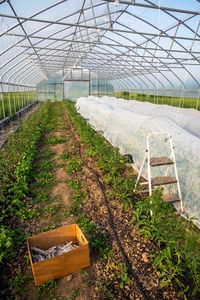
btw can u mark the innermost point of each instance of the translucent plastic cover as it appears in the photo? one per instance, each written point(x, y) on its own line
point(126, 125)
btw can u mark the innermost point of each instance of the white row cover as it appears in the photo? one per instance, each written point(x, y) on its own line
point(126, 125)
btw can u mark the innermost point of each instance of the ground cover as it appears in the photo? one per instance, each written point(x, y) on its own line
point(77, 176)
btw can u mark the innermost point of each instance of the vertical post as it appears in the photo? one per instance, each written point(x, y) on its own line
point(47, 89)
point(176, 173)
point(3, 107)
point(197, 103)
point(149, 172)
point(54, 90)
point(3, 103)
point(13, 97)
point(63, 92)
point(89, 83)
point(98, 84)
point(9, 102)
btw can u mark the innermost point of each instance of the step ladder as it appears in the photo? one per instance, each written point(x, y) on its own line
point(149, 184)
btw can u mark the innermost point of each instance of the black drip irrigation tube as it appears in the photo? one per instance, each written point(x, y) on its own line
point(133, 273)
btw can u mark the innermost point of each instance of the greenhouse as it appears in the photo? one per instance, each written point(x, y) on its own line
point(99, 149)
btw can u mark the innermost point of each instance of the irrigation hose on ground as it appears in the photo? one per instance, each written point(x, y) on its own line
point(133, 273)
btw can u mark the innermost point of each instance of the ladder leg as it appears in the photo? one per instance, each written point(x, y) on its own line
point(140, 171)
point(149, 172)
point(176, 175)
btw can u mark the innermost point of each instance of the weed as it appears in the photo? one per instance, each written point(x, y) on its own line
point(98, 239)
point(73, 166)
point(178, 252)
point(53, 209)
point(65, 156)
point(74, 185)
point(6, 242)
point(54, 140)
point(48, 288)
point(123, 276)
point(19, 283)
point(41, 197)
point(75, 293)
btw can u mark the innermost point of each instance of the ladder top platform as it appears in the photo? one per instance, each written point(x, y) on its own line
point(163, 180)
point(160, 161)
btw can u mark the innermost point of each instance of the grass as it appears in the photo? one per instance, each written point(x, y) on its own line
point(157, 99)
point(14, 101)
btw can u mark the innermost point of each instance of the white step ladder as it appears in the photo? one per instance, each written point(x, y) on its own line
point(161, 181)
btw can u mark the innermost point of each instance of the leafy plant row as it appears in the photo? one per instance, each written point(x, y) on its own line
point(177, 259)
point(178, 256)
point(15, 169)
point(108, 159)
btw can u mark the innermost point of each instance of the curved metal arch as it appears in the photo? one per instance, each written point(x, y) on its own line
point(136, 44)
point(46, 26)
point(173, 39)
point(149, 63)
point(144, 73)
point(147, 77)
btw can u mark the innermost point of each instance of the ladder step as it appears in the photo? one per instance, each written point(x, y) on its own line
point(144, 183)
point(163, 180)
point(171, 198)
point(160, 161)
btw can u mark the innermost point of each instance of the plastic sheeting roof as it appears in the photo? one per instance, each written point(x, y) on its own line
point(137, 43)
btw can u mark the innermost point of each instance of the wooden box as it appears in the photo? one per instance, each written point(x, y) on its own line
point(64, 264)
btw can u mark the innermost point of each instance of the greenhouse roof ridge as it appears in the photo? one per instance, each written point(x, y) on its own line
point(134, 44)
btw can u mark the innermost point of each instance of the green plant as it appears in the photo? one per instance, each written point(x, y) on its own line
point(48, 288)
point(16, 165)
point(54, 140)
point(65, 156)
point(6, 242)
point(123, 276)
point(179, 244)
point(74, 184)
point(74, 165)
point(108, 159)
point(98, 239)
point(19, 283)
point(169, 266)
point(106, 291)
point(75, 293)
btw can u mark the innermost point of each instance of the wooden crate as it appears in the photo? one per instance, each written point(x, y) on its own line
point(64, 264)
